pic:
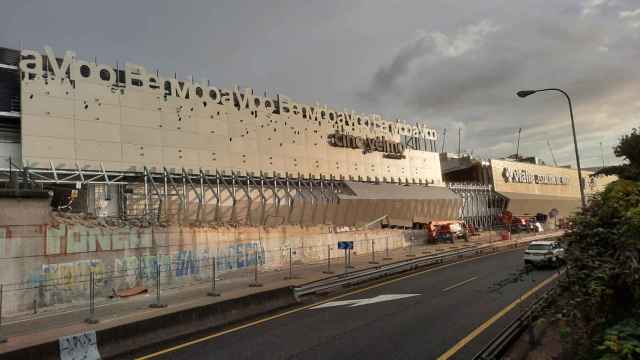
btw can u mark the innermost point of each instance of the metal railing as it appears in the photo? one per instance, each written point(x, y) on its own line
point(169, 278)
point(501, 343)
point(349, 279)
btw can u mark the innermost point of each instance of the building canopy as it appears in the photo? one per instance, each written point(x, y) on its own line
point(520, 204)
point(403, 204)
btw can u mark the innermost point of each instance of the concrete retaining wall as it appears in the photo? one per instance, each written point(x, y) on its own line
point(51, 264)
point(24, 207)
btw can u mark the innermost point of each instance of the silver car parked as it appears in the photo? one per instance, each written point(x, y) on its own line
point(544, 252)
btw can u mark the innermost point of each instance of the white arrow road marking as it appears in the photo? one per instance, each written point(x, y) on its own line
point(359, 302)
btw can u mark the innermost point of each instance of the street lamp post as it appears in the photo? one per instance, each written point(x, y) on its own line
point(525, 93)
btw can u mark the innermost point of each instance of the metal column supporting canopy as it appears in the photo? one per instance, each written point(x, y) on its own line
point(204, 197)
point(481, 206)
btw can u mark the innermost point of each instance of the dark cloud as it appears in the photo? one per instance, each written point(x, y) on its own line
point(387, 76)
point(475, 88)
point(435, 61)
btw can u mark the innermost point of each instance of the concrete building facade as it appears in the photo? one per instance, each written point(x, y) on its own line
point(92, 115)
point(128, 142)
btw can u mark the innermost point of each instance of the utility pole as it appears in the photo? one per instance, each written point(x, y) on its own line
point(601, 154)
point(444, 139)
point(518, 145)
point(459, 140)
point(552, 155)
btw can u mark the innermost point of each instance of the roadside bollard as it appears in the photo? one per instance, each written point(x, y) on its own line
point(157, 304)
point(255, 282)
point(328, 271)
point(92, 299)
point(213, 291)
point(386, 250)
point(373, 252)
point(290, 277)
point(3, 339)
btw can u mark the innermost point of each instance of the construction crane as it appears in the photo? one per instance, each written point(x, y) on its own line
point(555, 163)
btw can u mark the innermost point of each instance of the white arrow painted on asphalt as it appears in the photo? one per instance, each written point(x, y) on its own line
point(360, 302)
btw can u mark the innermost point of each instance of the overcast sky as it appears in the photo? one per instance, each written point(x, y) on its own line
point(448, 64)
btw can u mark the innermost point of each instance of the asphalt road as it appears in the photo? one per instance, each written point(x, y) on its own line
point(450, 303)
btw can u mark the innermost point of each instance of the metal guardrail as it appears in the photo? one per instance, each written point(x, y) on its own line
point(499, 345)
point(356, 277)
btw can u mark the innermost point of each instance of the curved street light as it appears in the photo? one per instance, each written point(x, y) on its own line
point(525, 93)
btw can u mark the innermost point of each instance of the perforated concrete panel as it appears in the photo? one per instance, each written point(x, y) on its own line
point(86, 114)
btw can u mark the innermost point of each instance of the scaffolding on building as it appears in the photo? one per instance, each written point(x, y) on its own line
point(157, 195)
point(481, 205)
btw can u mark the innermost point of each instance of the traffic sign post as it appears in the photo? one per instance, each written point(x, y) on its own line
point(290, 277)
point(346, 246)
point(346, 265)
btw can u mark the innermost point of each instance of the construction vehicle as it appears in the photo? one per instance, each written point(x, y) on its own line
point(446, 231)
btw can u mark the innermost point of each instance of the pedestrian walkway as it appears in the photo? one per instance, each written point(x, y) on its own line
point(28, 330)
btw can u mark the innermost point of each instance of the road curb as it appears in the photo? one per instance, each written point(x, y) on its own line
point(123, 339)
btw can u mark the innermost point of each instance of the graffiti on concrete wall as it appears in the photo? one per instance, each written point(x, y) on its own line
point(238, 256)
point(71, 239)
point(188, 262)
point(135, 270)
point(69, 281)
point(233, 257)
point(66, 282)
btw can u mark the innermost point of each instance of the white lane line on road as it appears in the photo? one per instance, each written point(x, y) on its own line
point(360, 302)
point(459, 284)
point(295, 310)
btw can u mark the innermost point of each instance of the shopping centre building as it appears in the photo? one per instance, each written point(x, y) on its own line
point(132, 142)
point(148, 171)
point(526, 187)
point(126, 141)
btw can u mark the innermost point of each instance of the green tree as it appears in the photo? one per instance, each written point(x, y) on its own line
point(629, 149)
point(603, 265)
